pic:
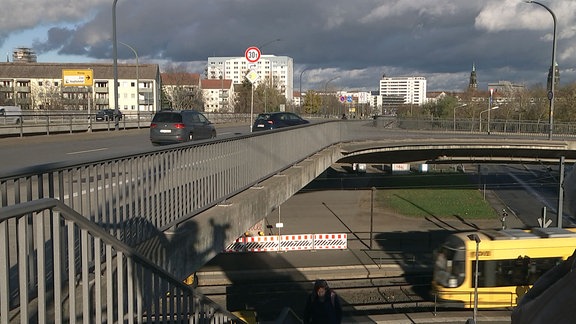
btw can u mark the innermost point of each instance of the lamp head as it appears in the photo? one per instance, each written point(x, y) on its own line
point(474, 237)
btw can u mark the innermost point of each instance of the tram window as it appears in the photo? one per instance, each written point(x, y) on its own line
point(449, 267)
point(521, 271)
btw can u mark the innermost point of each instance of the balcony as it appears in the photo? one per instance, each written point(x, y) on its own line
point(6, 89)
point(22, 89)
point(101, 89)
point(23, 101)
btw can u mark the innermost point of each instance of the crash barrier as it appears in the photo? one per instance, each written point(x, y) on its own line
point(293, 242)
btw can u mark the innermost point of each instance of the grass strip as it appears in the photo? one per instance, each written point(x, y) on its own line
point(439, 195)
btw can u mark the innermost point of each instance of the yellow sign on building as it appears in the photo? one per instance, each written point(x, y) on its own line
point(77, 78)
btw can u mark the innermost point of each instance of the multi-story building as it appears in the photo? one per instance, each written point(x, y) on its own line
point(402, 90)
point(24, 55)
point(218, 95)
point(33, 85)
point(278, 71)
point(376, 102)
point(182, 90)
point(357, 104)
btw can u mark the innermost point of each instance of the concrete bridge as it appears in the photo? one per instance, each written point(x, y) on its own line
point(176, 207)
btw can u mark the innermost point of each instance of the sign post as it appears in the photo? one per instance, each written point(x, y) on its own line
point(77, 78)
point(252, 76)
point(252, 55)
point(80, 78)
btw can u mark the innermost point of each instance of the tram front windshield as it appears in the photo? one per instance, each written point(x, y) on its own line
point(449, 268)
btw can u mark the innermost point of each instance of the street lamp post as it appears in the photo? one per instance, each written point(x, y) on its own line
point(265, 89)
point(326, 91)
point(475, 238)
point(553, 67)
point(480, 121)
point(372, 191)
point(115, 56)
point(454, 122)
point(137, 81)
point(301, 88)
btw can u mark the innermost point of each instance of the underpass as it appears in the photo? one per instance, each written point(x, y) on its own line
point(181, 205)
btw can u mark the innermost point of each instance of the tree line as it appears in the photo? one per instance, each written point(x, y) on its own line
point(528, 105)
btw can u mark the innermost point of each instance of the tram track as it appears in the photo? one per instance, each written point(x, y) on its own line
point(377, 294)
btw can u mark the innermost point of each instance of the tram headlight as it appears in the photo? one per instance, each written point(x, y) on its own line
point(452, 283)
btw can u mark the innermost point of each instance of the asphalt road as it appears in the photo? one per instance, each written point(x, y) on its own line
point(526, 190)
point(23, 152)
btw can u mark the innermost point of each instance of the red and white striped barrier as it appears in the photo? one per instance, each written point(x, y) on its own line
point(296, 242)
point(293, 242)
point(254, 244)
point(331, 241)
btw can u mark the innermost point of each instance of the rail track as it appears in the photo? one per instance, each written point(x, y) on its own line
point(359, 296)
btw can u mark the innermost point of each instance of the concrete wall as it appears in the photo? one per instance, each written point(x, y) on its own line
point(198, 240)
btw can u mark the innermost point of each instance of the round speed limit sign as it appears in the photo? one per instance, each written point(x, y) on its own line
point(252, 54)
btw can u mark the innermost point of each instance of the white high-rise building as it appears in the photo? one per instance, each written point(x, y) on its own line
point(278, 70)
point(403, 90)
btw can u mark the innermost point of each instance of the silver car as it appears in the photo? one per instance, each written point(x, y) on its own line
point(174, 126)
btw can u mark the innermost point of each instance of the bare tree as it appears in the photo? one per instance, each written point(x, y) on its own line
point(181, 90)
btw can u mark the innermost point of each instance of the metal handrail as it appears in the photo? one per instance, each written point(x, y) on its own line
point(57, 266)
point(138, 198)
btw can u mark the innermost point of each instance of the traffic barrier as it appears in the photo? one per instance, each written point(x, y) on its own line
point(292, 242)
point(296, 242)
point(331, 241)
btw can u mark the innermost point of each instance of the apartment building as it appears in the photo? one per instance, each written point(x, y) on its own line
point(32, 85)
point(402, 90)
point(278, 71)
point(218, 95)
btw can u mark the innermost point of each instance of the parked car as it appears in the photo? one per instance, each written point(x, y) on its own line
point(173, 126)
point(275, 120)
point(107, 114)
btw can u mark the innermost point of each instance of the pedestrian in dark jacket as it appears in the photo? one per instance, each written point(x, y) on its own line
point(323, 305)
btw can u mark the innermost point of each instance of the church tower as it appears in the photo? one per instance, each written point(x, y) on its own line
point(473, 85)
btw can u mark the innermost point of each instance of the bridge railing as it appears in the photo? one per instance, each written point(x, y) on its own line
point(56, 266)
point(55, 122)
point(479, 126)
point(136, 197)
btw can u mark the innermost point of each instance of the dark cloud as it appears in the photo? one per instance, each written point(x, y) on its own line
point(357, 41)
point(56, 38)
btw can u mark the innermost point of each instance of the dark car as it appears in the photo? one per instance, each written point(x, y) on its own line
point(174, 126)
point(107, 114)
point(275, 120)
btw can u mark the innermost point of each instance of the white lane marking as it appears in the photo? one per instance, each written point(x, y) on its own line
point(87, 151)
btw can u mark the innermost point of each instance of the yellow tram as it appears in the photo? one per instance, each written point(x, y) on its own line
point(509, 261)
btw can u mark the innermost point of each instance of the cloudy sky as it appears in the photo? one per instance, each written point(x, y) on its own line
point(357, 41)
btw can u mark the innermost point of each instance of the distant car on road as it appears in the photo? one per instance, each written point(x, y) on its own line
point(10, 115)
point(274, 120)
point(107, 114)
point(173, 126)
